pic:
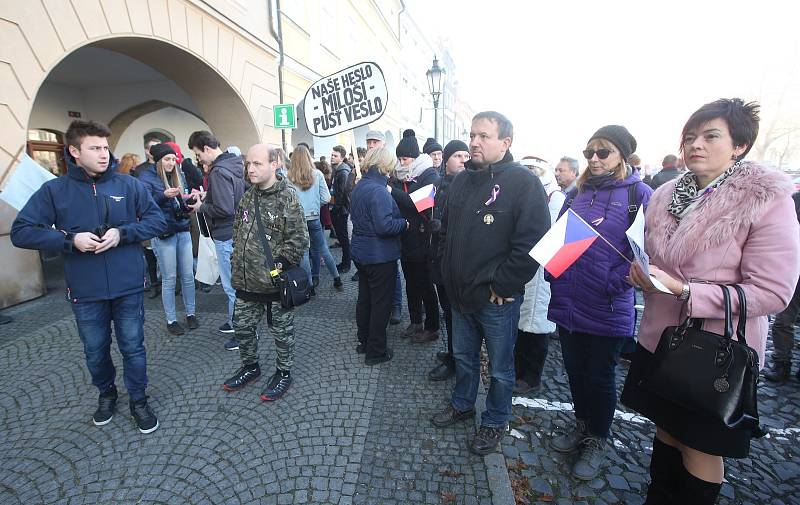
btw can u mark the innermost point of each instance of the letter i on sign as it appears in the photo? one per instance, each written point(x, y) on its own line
point(284, 117)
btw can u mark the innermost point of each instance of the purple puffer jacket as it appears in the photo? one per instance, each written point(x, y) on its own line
point(592, 296)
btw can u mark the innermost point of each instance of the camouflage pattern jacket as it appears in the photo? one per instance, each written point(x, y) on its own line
point(286, 230)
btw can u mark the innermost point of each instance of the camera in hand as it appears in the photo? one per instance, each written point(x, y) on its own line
point(101, 230)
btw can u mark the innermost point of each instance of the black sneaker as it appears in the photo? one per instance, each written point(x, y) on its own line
point(106, 404)
point(443, 356)
point(146, 421)
point(233, 344)
point(243, 376)
point(191, 322)
point(394, 318)
point(442, 371)
point(379, 359)
point(226, 328)
point(277, 386)
point(175, 328)
point(342, 268)
point(451, 416)
point(337, 283)
point(486, 440)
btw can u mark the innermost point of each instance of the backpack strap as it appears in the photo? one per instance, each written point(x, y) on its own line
point(633, 209)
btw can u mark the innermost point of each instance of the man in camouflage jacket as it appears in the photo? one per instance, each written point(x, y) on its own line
point(285, 229)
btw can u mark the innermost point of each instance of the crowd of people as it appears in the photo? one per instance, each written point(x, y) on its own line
point(721, 221)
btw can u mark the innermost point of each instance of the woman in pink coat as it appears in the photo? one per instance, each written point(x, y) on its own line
point(726, 221)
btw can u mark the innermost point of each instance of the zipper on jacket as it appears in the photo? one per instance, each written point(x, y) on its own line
point(593, 197)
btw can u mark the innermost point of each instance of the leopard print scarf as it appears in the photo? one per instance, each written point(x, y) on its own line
point(686, 195)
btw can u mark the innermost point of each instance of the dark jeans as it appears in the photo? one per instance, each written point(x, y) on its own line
point(529, 356)
point(398, 290)
point(94, 327)
point(497, 325)
point(590, 361)
point(419, 290)
point(152, 266)
point(444, 301)
point(339, 218)
point(374, 305)
point(783, 329)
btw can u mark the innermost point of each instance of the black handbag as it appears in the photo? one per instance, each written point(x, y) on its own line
point(293, 286)
point(708, 373)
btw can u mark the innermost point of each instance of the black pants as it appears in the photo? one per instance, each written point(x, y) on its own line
point(339, 219)
point(374, 305)
point(152, 266)
point(419, 290)
point(530, 352)
point(444, 301)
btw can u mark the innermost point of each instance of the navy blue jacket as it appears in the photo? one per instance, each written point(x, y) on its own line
point(169, 206)
point(377, 222)
point(75, 203)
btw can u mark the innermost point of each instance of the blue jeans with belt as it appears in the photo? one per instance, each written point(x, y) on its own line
point(497, 325)
point(94, 328)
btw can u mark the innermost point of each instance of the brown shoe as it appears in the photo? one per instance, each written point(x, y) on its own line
point(450, 416)
point(424, 336)
point(411, 330)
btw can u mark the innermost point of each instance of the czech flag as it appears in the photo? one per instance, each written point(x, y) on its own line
point(568, 238)
point(423, 197)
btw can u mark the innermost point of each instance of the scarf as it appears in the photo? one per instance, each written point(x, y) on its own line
point(598, 181)
point(686, 195)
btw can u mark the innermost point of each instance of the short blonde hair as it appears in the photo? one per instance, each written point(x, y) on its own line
point(381, 158)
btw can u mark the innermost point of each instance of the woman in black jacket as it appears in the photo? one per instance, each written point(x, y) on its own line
point(414, 172)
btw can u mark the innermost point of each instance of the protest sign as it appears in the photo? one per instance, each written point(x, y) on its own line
point(352, 97)
point(25, 180)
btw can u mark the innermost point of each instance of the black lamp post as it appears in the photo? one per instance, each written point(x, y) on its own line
point(435, 78)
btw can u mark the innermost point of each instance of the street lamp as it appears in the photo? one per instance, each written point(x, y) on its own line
point(435, 77)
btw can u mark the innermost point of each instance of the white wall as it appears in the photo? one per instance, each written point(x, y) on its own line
point(52, 104)
point(177, 122)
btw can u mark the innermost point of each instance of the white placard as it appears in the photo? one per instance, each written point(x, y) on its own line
point(27, 178)
point(352, 97)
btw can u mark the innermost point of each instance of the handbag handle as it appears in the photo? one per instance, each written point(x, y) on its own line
point(726, 298)
point(740, 328)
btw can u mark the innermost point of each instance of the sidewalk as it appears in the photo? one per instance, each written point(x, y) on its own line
point(345, 433)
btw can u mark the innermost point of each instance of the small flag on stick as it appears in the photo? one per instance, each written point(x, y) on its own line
point(567, 240)
point(423, 197)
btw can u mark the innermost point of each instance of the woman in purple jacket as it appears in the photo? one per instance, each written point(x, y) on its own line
point(591, 302)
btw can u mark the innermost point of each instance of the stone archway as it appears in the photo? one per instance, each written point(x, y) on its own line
point(121, 121)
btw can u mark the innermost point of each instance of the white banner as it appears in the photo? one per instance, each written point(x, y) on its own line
point(352, 97)
point(26, 179)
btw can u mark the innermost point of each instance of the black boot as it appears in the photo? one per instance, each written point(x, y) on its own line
point(443, 370)
point(665, 467)
point(695, 491)
point(780, 371)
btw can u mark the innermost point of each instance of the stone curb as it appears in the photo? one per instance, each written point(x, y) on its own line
point(496, 470)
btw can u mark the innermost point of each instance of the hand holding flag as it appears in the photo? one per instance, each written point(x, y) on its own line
point(564, 243)
point(423, 197)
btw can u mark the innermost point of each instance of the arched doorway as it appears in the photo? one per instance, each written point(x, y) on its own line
point(101, 80)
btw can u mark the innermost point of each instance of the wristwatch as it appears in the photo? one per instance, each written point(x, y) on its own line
point(684, 292)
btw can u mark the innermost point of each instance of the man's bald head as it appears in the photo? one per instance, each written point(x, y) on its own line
point(261, 162)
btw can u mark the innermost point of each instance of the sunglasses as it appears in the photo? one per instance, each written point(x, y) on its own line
point(601, 153)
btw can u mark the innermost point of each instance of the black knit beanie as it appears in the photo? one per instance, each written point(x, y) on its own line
point(619, 136)
point(408, 146)
point(451, 148)
point(431, 146)
point(158, 151)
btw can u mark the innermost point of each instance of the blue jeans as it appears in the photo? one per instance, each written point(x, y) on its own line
point(175, 257)
point(224, 251)
point(398, 290)
point(319, 249)
point(94, 327)
point(591, 361)
point(497, 324)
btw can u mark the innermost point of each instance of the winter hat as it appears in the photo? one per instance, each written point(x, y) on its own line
point(619, 136)
point(376, 135)
point(408, 146)
point(158, 151)
point(451, 148)
point(431, 146)
point(177, 149)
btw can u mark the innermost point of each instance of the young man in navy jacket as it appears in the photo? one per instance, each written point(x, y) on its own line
point(97, 219)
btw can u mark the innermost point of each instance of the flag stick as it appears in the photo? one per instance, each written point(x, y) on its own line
point(601, 237)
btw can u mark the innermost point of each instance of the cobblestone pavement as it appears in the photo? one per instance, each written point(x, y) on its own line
point(345, 433)
point(770, 476)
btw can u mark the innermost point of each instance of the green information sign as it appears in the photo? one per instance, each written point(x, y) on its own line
point(284, 116)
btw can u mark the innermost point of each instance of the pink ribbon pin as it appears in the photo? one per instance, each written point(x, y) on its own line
point(494, 195)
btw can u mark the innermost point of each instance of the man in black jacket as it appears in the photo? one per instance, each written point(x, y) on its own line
point(340, 212)
point(218, 204)
point(496, 211)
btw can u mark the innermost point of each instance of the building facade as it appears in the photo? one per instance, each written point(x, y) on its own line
point(169, 67)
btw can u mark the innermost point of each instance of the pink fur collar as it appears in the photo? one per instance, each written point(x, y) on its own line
point(737, 203)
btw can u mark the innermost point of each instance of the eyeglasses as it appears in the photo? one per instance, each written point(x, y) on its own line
point(601, 153)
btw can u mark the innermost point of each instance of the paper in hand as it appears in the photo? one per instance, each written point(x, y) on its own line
point(635, 236)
